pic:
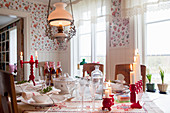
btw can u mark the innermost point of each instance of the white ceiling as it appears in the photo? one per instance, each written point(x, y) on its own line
point(6, 19)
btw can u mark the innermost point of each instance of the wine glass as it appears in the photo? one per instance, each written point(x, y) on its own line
point(81, 87)
point(92, 91)
point(71, 85)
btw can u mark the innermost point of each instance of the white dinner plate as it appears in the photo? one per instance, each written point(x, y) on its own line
point(56, 99)
point(33, 103)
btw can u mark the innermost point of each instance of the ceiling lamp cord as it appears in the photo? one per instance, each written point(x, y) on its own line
point(72, 31)
point(48, 31)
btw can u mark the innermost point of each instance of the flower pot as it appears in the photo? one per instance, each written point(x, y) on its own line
point(162, 87)
point(150, 87)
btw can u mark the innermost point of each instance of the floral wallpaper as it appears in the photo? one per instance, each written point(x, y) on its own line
point(119, 27)
point(38, 22)
point(119, 32)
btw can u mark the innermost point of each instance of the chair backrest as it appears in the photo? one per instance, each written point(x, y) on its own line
point(7, 90)
point(89, 67)
point(143, 73)
point(124, 69)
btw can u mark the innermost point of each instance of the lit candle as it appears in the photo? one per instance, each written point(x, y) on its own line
point(138, 70)
point(136, 51)
point(21, 57)
point(109, 83)
point(109, 88)
point(36, 55)
point(131, 68)
point(106, 93)
point(135, 58)
point(134, 70)
point(132, 78)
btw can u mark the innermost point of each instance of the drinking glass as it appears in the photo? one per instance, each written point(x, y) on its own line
point(71, 85)
point(81, 87)
point(92, 92)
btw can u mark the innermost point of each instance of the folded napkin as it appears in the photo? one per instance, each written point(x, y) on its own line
point(29, 95)
point(116, 86)
point(54, 91)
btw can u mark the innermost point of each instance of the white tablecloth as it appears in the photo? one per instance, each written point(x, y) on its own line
point(75, 106)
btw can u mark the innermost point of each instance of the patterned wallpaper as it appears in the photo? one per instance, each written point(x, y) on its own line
point(119, 27)
point(38, 22)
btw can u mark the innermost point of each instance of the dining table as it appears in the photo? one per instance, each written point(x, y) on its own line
point(74, 105)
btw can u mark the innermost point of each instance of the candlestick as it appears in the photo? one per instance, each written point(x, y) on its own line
point(106, 93)
point(21, 57)
point(36, 55)
point(31, 62)
point(132, 93)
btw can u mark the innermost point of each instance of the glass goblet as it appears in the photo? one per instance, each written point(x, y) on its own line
point(81, 87)
point(92, 92)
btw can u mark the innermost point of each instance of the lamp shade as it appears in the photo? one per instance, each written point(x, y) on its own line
point(60, 16)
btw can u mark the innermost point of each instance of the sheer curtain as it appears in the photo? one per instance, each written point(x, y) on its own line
point(90, 17)
point(89, 10)
point(138, 7)
point(136, 11)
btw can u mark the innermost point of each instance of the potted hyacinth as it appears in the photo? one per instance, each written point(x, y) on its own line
point(150, 86)
point(162, 87)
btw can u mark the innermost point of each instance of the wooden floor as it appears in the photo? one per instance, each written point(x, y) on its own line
point(161, 100)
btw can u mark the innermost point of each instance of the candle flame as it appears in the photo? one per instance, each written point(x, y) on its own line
point(136, 51)
point(134, 58)
point(106, 86)
point(35, 53)
point(131, 67)
point(21, 53)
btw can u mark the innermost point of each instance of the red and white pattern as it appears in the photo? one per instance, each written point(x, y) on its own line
point(38, 22)
point(119, 27)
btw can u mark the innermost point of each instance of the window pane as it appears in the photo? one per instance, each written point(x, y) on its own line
point(86, 15)
point(85, 46)
point(158, 54)
point(101, 11)
point(158, 38)
point(158, 15)
point(101, 24)
point(101, 44)
point(85, 27)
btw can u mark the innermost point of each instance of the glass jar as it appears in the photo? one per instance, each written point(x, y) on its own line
point(97, 81)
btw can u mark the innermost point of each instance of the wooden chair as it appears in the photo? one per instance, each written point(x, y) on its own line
point(89, 67)
point(7, 90)
point(124, 69)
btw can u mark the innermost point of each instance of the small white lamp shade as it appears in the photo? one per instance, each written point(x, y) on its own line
point(60, 16)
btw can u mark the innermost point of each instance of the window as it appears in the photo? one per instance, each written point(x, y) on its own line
point(90, 42)
point(158, 47)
